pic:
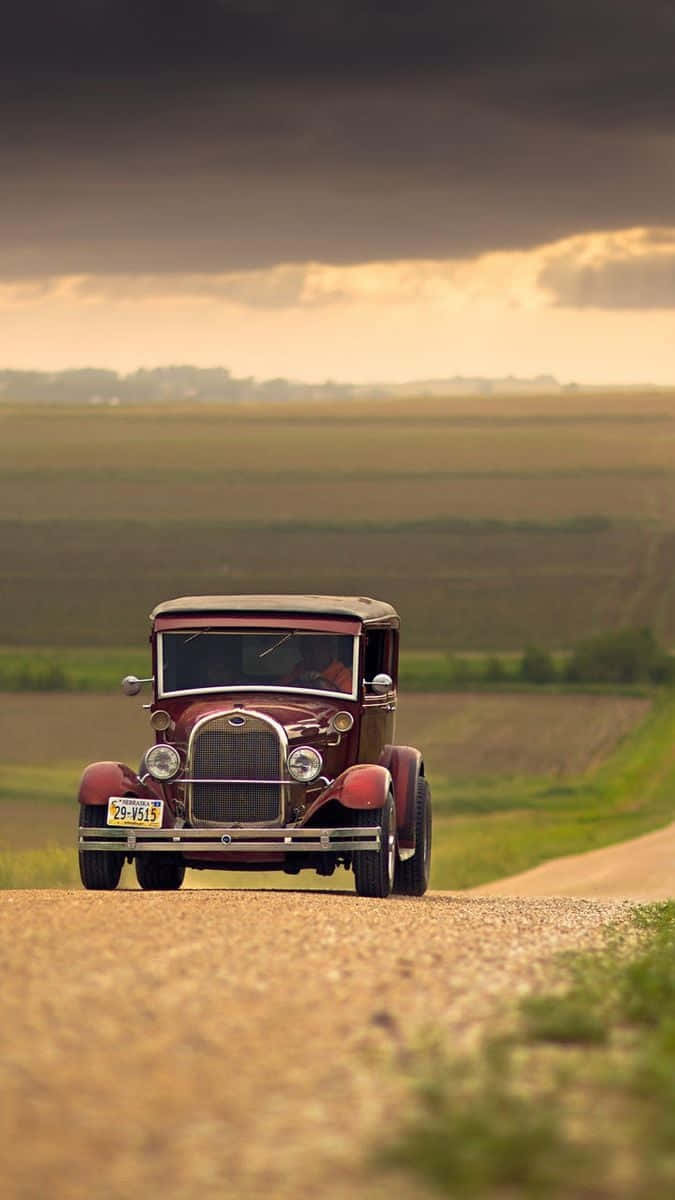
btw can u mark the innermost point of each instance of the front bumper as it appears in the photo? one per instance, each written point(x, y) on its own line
point(225, 841)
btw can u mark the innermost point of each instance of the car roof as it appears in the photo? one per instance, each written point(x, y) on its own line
point(362, 607)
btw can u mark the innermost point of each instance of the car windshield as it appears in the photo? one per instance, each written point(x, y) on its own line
point(212, 660)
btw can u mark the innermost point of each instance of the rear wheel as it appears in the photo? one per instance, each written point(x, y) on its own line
point(159, 872)
point(412, 876)
point(374, 869)
point(100, 870)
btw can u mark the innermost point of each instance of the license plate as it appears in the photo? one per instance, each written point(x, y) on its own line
point(144, 813)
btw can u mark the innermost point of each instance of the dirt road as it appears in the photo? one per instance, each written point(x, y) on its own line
point(641, 869)
point(240, 1044)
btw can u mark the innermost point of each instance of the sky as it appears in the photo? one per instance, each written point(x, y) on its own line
point(358, 191)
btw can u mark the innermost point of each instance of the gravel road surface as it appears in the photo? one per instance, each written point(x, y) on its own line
point(211, 1044)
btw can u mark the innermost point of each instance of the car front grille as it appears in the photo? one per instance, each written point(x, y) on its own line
point(251, 751)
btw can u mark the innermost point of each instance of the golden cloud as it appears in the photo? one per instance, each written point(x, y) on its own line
point(615, 269)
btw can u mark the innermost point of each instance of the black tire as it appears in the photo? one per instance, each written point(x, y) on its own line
point(100, 870)
point(159, 872)
point(374, 869)
point(412, 876)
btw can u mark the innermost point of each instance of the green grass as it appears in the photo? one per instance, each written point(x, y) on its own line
point(70, 669)
point(578, 1100)
point(50, 867)
point(45, 785)
point(488, 829)
point(37, 827)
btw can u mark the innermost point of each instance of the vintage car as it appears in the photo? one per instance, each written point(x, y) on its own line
point(273, 721)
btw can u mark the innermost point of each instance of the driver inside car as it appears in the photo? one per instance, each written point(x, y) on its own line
point(320, 667)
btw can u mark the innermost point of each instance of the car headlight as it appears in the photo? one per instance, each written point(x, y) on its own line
point(162, 762)
point(342, 722)
point(160, 720)
point(304, 764)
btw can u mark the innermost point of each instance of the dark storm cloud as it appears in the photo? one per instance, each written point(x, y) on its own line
point(604, 53)
point(214, 135)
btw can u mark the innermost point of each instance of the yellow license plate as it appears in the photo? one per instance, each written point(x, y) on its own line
point(129, 811)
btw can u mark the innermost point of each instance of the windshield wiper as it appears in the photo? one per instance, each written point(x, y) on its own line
point(192, 636)
point(277, 644)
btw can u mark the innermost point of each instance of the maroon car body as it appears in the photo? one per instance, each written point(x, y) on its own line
point(273, 748)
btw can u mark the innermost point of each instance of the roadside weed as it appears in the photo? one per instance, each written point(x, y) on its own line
point(578, 1101)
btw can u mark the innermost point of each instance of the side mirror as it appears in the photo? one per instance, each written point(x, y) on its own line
point(131, 684)
point(381, 684)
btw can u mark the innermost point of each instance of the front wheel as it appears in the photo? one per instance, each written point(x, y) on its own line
point(412, 875)
point(374, 869)
point(159, 872)
point(100, 870)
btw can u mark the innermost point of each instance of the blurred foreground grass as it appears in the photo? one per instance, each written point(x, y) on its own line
point(577, 1100)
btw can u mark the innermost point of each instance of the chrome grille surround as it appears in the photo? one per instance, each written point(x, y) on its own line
point(237, 770)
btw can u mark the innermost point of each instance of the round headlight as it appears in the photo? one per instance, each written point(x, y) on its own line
point(342, 722)
point(163, 762)
point(304, 764)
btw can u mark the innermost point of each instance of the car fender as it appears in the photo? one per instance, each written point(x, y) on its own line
point(104, 779)
point(406, 765)
point(365, 785)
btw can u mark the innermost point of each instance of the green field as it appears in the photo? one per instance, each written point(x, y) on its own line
point(489, 523)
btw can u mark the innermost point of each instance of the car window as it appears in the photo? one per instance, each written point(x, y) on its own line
point(203, 660)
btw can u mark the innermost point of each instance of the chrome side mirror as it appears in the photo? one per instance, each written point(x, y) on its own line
point(381, 684)
point(131, 684)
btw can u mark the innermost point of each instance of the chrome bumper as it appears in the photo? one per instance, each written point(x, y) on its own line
point(224, 841)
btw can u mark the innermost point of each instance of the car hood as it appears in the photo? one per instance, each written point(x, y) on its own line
point(284, 711)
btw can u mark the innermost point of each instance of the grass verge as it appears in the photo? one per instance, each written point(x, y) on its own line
point(578, 1101)
point(50, 867)
point(490, 828)
point(37, 827)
